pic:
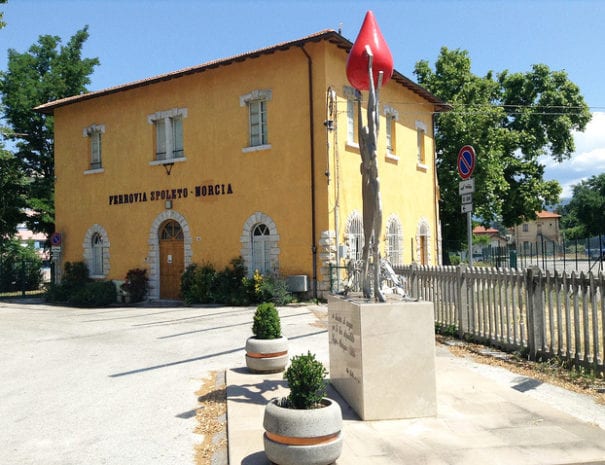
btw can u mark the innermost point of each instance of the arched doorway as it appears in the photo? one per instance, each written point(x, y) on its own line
point(172, 259)
point(423, 241)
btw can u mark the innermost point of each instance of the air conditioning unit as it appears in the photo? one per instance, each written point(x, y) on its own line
point(298, 283)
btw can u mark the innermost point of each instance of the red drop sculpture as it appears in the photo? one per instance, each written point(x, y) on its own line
point(357, 63)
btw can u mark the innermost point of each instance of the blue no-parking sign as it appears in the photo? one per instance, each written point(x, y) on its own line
point(466, 161)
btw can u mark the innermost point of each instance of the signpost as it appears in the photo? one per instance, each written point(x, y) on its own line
point(56, 242)
point(466, 166)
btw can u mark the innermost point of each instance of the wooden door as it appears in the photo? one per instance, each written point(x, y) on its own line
point(172, 259)
point(423, 251)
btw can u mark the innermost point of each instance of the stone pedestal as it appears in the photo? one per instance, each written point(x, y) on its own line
point(382, 357)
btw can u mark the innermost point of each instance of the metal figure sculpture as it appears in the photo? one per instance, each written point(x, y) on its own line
point(370, 188)
point(369, 49)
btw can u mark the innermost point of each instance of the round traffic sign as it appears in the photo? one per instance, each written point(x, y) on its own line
point(55, 239)
point(466, 161)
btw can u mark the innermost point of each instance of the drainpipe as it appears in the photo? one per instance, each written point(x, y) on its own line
point(312, 144)
point(439, 238)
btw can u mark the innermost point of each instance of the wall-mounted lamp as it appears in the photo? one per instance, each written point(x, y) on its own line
point(168, 167)
point(168, 204)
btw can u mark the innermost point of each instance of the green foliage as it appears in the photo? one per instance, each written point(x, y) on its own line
point(197, 284)
point(202, 284)
point(78, 289)
point(231, 286)
point(446, 330)
point(583, 215)
point(305, 377)
point(76, 275)
point(47, 71)
point(20, 267)
point(273, 288)
point(136, 284)
point(511, 119)
point(266, 323)
point(94, 294)
point(2, 22)
point(13, 189)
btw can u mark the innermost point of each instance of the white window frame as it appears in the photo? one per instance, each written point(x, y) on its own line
point(421, 146)
point(354, 236)
point(261, 243)
point(173, 144)
point(394, 241)
point(391, 116)
point(96, 245)
point(96, 254)
point(94, 134)
point(352, 96)
point(257, 98)
point(251, 245)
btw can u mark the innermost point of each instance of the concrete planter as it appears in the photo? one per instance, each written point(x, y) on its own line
point(303, 437)
point(266, 355)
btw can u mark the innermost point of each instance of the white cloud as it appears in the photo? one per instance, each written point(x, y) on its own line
point(588, 160)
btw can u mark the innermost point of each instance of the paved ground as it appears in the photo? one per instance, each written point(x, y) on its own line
point(111, 386)
point(117, 386)
point(486, 416)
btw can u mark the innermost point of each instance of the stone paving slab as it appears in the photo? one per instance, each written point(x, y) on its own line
point(482, 419)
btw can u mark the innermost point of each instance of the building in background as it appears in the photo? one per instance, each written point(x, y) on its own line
point(543, 233)
point(254, 155)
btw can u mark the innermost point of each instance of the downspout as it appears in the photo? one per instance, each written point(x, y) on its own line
point(437, 195)
point(312, 144)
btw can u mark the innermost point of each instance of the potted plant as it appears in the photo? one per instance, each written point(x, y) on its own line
point(267, 350)
point(305, 427)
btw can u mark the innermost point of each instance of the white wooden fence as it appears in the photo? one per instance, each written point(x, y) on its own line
point(542, 313)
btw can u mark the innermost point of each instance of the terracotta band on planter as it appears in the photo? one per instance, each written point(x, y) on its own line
point(289, 440)
point(268, 355)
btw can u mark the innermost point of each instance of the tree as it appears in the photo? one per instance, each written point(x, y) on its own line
point(583, 215)
point(511, 119)
point(13, 186)
point(2, 23)
point(47, 71)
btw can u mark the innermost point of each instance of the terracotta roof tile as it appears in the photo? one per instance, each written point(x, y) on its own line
point(328, 35)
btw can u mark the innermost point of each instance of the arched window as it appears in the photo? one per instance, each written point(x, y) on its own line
point(355, 236)
point(97, 255)
point(260, 244)
point(171, 230)
point(96, 251)
point(394, 239)
point(261, 259)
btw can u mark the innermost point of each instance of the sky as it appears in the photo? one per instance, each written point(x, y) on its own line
point(137, 39)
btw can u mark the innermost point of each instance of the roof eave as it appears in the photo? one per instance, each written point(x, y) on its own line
point(328, 35)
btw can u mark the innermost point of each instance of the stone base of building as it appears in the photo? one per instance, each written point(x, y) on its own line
point(382, 356)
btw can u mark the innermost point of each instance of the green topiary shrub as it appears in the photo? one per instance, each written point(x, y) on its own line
point(306, 380)
point(266, 323)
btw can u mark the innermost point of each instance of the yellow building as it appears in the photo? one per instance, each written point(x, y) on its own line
point(252, 156)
